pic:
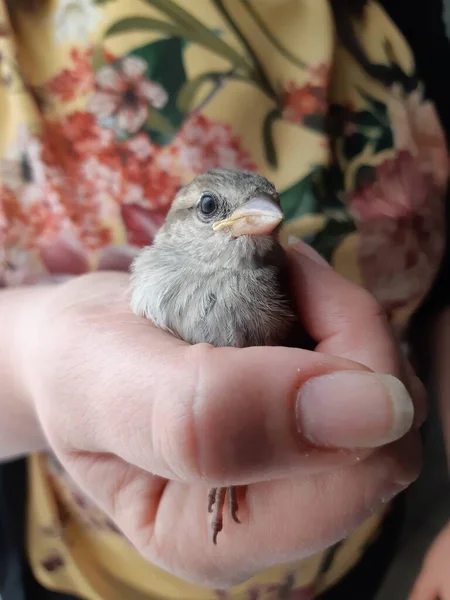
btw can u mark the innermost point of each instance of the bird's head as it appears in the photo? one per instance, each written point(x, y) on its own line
point(224, 215)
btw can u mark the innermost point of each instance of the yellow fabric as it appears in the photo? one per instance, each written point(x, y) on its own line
point(88, 558)
point(57, 139)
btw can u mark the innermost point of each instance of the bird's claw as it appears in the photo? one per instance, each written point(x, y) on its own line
point(216, 503)
point(234, 504)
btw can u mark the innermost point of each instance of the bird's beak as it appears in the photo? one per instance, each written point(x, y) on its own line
point(258, 216)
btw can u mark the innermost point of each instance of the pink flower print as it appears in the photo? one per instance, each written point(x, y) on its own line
point(399, 189)
point(401, 223)
point(123, 94)
point(142, 224)
point(203, 144)
point(417, 129)
point(65, 254)
point(141, 146)
point(116, 258)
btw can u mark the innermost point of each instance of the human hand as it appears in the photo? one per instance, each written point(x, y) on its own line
point(146, 424)
point(433, 582)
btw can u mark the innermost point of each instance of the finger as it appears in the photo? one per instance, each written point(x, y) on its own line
point(282, 521)
point(341, 316)
point(347, 321)
point(225, 415)
point(425, 588)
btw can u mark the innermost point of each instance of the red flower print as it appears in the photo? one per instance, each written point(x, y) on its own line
point(123, 94)
point(319, 75)
point(108, 173)
point(301, 101)
point(401, 222)
point(67, 141)
point(76, 80)
point(203, 144)
point(75, 188)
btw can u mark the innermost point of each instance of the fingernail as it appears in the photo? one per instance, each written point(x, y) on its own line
point(353, 409)
point(306, 250)
point(419, 394)
point(391, 491)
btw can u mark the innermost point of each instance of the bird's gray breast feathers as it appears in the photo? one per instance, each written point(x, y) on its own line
point(242, 307)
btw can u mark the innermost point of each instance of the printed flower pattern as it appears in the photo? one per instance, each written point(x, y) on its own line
point(402, 230)
point(72, 504)
point(74, 20)
point(202, 145)
point(77, 79)
point(51, 227)
point(124, 95)
point(301, 101)
point(22, 166)
point(417, 129)
point(120, 134)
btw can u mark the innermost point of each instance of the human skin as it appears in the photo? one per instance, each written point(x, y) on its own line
point(146, 424)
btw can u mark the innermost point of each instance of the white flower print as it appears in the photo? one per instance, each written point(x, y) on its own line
point(123, 95)
point(74, 20)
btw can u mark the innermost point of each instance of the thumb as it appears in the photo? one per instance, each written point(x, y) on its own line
point(229, 416)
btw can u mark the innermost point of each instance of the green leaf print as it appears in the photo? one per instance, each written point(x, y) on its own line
point(354, 145)
point(326, 241)
point(378, 109)
point(270, 36)
point(365, 175)
point(365, 119)
point(384, 142)
point(190, 89)
point(315, 122)
point(333, 186)
point(163, 123)
point(132, 24)
point(317, 193)
point(267, 133)
point(301, 198)
point(375, 125)
point(194, 30)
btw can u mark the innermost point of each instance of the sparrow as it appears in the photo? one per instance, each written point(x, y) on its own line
point(217, 274)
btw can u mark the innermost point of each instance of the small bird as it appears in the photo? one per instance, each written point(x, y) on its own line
point(217, 274)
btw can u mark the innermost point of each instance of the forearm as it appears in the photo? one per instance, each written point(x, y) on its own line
point(19, 428)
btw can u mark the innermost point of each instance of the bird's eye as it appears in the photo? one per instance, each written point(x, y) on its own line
point(208, 205)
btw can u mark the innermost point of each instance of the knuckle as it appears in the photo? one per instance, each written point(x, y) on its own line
point(178, 427)
point(368, 305)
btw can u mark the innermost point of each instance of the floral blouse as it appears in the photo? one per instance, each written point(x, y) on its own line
point(107, 107)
